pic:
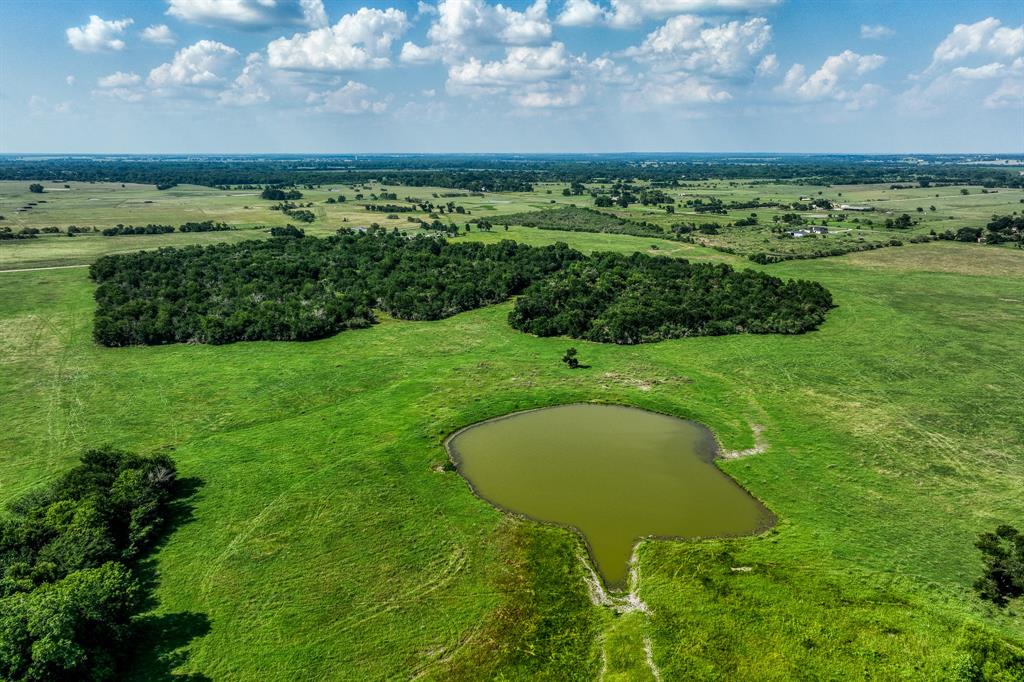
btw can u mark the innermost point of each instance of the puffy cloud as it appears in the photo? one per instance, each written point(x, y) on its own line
point(993, 70)
point(416, 54)
point(987, 35)
point(70, 80)
point(248, 87)
point(462, 22)
point(358, 41)
point(194, 66)
point(581, 13)
point(521, 65)
point(119, 79)
point(830, 81)
point(689, 43)
point(534, 77)
point(876, 32)
point(159, 34)
point(250, 14)
point(352, 98)
point(98, 35)
point(768, 65)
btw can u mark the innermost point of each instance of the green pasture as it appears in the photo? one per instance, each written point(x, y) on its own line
point(326, 540)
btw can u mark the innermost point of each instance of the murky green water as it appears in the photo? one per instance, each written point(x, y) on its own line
point(616, 474)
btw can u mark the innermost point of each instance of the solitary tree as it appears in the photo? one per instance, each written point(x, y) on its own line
point(570, 359)
point(35, 188)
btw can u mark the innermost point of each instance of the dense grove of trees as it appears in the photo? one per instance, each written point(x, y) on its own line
point(279, 194)
point(67, 590)
point(580, 219)
point(297, 289)
point(637, 299)
point(1007, 228)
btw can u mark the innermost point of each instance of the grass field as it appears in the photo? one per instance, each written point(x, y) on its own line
point(326, 541)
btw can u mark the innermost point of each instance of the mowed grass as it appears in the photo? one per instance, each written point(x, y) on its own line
point(326, 540)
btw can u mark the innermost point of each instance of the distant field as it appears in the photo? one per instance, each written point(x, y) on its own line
point(326, 540)
point(106, 204)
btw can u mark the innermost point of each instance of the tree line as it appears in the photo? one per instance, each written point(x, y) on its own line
point(204, 226)
point(69, 592)
point(497, 173)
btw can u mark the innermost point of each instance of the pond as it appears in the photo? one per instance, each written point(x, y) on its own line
point(616, 474)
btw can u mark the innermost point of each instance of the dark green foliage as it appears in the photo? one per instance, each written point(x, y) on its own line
point(287, 231)
point(300, 289)
point(570, 359)
point(1003, 554)
point(204, 226)
point(277, 194)
point(1006, 229)
point(35, 188)
point(577, 219)
point(136, 229)
point(67, 595)
point(638, 299)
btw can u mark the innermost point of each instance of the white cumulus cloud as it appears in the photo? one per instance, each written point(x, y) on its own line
point(832, 80)
point(159, 34)
point(358, 41)
point(119, 79)
point(250, 14)
point(462, 22)
point(987, 35)
point(581, 13)
point(98, 35)
point(198, 65)
point(419, 54)
point(689, 43)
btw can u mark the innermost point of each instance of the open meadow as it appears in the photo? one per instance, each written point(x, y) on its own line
point(325, 534)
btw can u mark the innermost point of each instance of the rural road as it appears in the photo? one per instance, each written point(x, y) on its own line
point(48, 267)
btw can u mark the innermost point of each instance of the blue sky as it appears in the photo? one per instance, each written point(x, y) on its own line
point(235, 76)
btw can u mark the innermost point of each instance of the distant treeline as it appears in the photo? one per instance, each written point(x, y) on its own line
point(288, 288)
point(482, 173)
point(614, 298)
point(205, 226)
point(69, 595)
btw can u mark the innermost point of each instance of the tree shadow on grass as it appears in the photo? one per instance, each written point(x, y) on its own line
point(162, 639)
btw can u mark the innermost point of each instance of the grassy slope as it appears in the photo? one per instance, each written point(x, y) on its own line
point(323, 541)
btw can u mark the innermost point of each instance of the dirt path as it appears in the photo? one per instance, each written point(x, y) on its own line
point(47, 267)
